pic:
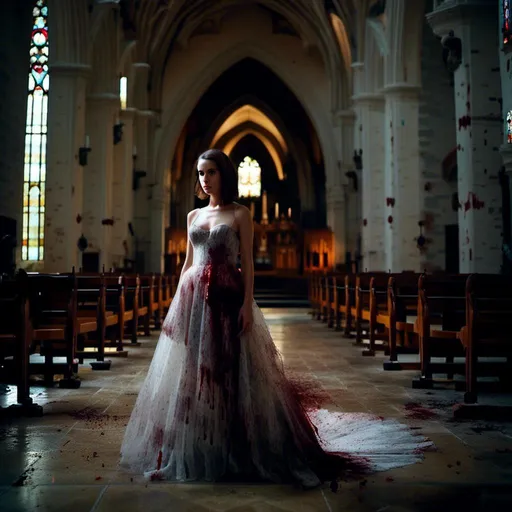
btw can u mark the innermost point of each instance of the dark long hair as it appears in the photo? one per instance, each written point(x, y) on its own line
point(228, 176)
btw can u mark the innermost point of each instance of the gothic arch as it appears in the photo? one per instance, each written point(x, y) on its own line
point(195, 84)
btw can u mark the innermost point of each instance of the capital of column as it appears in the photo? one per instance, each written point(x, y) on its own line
point(448, 14)
point(106, 98)
point(344, 117)
point(506, 155)
point(150, 114)
point(368, 99)
point(70, 69)
point(403, 90)
point(141, 65)
point(128, 113)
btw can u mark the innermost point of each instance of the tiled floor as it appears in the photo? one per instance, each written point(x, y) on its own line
point(67, 460)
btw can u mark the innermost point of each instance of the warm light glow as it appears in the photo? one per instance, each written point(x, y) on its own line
point(246, 114)
point(123, 91)
point(343, 41)
point(32, 247)
point(249, 178)
point(228, 148)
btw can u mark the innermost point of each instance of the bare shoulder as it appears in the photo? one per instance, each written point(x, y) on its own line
point(192, 215)
point(242, 213)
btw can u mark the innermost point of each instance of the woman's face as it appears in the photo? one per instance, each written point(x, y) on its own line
point(209, 177)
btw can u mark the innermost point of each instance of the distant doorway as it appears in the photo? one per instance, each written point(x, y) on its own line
point(451, 241)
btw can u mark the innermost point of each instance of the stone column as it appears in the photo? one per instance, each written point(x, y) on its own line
point(123, 191)
point(370, 113)
point(99, 175)
point(142, 213)
point(64, 179)
point(402, 178)
point(345, 121)
point(479, 129)
point(336, 220)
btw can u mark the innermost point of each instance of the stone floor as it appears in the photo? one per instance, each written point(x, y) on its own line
point(67, 459)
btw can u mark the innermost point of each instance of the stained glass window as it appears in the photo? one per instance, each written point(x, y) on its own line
point(123, 91)
point(35, 138)
point(507, 22)
point(509, 126)
point(249, 178)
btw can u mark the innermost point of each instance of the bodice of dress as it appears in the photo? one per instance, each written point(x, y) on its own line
point(218, 245)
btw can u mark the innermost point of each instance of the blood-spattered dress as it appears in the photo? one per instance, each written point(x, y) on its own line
point(216, 406)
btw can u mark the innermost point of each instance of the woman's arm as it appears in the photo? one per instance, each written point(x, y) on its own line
point(246, 230)
point(189, 258)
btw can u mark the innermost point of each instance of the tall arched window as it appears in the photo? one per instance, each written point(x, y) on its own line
point(507, 22)
point(249, 178)
point(123, 91)
point(35, 138)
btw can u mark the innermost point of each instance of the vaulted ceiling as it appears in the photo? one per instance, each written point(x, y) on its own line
point(159, 25)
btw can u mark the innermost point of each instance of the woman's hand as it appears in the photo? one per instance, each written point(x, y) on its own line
point(245, 318)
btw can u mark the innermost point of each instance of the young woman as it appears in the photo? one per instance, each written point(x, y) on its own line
point(216, 403)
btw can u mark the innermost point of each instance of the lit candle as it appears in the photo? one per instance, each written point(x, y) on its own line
point(252, 210)
point(87, 141)
point(276, 214)
point(264, 212)
point(289, 213)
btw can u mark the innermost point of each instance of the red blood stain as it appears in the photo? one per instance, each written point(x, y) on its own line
point(365, 222)
point(473, 202)
point(390, 201)
point(159, 460)
point(418, 412)
point(464, 122)
point(390, 219)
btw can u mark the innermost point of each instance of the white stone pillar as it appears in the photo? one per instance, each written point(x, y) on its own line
point(123, 190)
point(345, 121)
point(479, 130)
point(402, 178)
point(99, 175)
point(336, 220)
point(64, 178)
point(370, 113)
point(142, 196)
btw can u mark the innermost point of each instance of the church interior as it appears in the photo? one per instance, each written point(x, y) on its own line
point(369, 137)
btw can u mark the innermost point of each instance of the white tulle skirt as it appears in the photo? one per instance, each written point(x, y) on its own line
point(217, 406)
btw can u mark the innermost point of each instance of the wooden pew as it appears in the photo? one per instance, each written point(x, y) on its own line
point(402, 302)
point(488, 330)
point(313, 293)
point(16, 341)
point(133, 302)
point(148, 298)
point(377, 309)
point(441, 315)
point(115, 303)
point(92, 305)
point(324, 298)
point(168, 290)
point(360, 309)
point(53, 312)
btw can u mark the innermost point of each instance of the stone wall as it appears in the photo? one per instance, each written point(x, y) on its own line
point(14, 54)
point(437, 139)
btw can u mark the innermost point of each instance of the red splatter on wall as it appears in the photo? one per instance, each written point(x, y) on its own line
point(472, 202)
point(464, 122)
point(390, 201)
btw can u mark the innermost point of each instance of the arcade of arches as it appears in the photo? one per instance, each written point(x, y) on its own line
point(367, 132)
